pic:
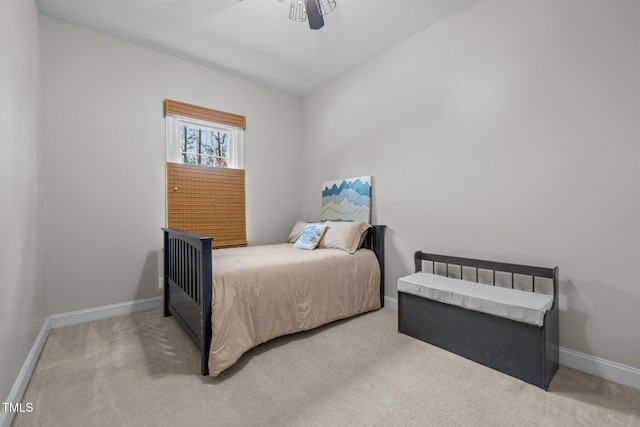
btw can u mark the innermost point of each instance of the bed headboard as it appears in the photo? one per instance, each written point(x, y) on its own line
point(375, 242)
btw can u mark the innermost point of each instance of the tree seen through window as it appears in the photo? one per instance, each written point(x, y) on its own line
point(204, 146)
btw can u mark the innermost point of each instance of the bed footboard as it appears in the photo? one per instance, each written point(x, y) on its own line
point(188, 286)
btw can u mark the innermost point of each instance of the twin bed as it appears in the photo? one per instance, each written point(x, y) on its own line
point(231, 300)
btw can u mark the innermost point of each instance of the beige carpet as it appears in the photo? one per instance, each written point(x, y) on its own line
point(142, 370)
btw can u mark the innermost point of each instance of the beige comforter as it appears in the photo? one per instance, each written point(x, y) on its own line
point(263, 292)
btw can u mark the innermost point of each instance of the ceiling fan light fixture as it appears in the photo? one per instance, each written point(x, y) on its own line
point(298, 9)
point(326, 6)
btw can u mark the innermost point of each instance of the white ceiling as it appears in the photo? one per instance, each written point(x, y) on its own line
point(255, 39)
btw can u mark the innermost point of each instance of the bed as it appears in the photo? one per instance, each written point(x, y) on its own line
point(501, 315)
point(231, 300)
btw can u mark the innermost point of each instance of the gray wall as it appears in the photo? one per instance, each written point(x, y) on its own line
point(509, 131)
point(22, 301)
point(105, 149)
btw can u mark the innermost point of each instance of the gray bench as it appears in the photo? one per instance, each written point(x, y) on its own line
point(512, 330)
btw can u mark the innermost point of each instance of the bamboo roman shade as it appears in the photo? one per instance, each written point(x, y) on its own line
point(208, 114)
point(209, 201)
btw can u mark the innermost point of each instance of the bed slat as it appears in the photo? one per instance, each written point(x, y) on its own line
point(188, 286)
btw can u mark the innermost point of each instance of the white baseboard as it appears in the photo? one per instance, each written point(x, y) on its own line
point(81, 316)
point(19, 387)
point(596, 366)
point(65, 319)
point(391, 303)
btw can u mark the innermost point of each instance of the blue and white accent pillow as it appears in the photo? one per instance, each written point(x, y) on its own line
point(311, 236)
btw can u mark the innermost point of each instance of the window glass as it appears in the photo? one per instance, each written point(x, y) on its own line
point(204, 146)
point(198, 142)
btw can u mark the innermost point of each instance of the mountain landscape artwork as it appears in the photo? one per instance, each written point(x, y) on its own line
point(347, 199)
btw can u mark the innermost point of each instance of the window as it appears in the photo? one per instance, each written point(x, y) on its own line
point(205, 179)
point(204, 145)
point(201, 136)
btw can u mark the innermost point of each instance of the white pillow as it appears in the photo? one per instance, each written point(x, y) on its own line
point(297, 230)
point(345, 235)
point(310, 236)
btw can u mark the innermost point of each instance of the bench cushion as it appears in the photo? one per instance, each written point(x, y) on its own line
point(521, 306)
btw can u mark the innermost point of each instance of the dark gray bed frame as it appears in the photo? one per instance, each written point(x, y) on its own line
point(522, 350)
point(188, 281)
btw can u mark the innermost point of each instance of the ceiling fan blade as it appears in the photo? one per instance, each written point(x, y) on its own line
point(316, 21)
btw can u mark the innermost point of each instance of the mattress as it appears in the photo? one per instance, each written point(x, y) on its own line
point(263, 292)
point(514, 304)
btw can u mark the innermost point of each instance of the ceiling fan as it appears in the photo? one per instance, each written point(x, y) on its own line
point(310, 10)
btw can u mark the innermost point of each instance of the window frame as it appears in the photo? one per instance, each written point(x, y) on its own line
point(173, 144)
